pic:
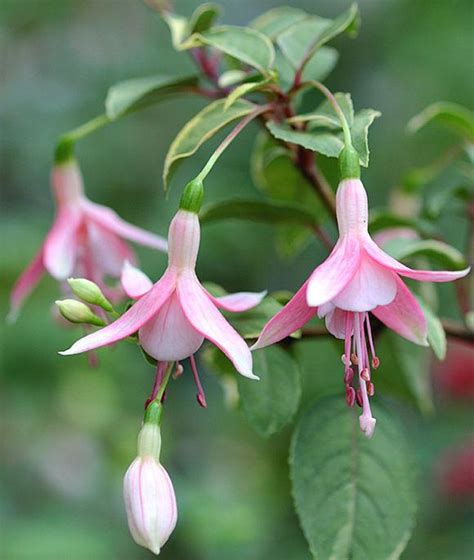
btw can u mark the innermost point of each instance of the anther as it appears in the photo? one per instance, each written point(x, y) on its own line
point(350, 395)
point(345, 360)
point(370, 389)
point(348, 375)
point(365, 374)
point(178, 371)
point(375, 362)
point(359, 398)
point(354, 358)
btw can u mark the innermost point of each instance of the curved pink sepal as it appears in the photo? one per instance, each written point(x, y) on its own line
point(25, 284)
point(333, 275)
point(288, 320)
point(113, 222)
point(60, 246)
point(238, 302)
point(135, 282)
point(206, 319)
point(404, 315)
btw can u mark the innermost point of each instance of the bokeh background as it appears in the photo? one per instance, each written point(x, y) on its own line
point(69, 432)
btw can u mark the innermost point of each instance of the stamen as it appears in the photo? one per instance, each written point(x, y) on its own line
point(350, 395)
point(348, 375)
point(365, 374)
point(375, 360)
point(354, 358)
point(178, 371)
point(359, 398)
point(370, 389)
point(160, 373)
point(201, 398)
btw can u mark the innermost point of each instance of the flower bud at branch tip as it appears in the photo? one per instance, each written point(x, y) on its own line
point(89, 292)
point(193, 194)
point(77, 312)
point(64, 151)
point(149, 441)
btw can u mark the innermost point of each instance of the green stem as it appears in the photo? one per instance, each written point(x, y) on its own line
point(227, 140)
point(337, 109)
point(164, 383)
point(65, 146)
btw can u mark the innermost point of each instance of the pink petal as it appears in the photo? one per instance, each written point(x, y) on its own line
point(336, 323)
point(25, 284)
point(291, 318)
point(206, 319)
point(371, 285)
point(112, 221)
point(108, 250)
point(241, 301)
point(131, 321)
point(169, 336)
point(135, 283)
point(422, 275)
point(404, 315)
point(333, 275)
point(61, 244)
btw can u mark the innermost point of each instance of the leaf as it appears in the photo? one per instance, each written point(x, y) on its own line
point(131, 95)
point(436, 335)
point(200, 128)
point(203, 17)
point(318, 68)
point(270, 404)
point(250, 323)
point(276, 20)
point(232, 77)
point(243, 43)
point(444, 255)
point(258, 211)
point(384, 219)
point(178, 26)
point(242, 90)
point(405, 368)
point(323, 142)
point(301, 41)
point(355, 497)
point(451, 115)
point(360, 132)
point(438, 201)
point(325, 115)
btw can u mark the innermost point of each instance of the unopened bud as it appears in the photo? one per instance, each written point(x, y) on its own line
point(78, 312)
point(89, 292)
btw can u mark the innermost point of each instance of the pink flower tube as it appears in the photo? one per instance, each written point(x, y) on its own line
point(86, 239)
point(357, 279)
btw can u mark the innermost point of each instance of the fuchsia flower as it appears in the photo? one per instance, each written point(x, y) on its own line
point(175, 315)
point(86, 239)
point(357, 278)
point(148, 493)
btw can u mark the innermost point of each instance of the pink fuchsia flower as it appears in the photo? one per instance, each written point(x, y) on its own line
point(148, 492)
point(357, 279)
point(86, 239)
point(175, 315)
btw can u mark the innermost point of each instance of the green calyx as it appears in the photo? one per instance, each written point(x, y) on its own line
point(192, 196)
point(64, 151)
point(349, 163)
point(153, 413)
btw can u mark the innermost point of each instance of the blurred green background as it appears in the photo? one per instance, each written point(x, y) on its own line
point(70, 431)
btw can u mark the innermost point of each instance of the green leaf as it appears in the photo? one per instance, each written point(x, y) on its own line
point(441, 253)
point(438, 201)
point(384, 219)
point(325, 116)
point(436, 335)
point(203, 18)
point(243, 43)
point(258, 211)
point(302, 40)
point(242, 90)
point(232, 77)
point(453, 116)
point(355, 497)
point(270, 404)
point(276, 20)
point(178, 26)
point(250, 323)
point(318, 68)
point(404, 371)
point(360, 133)
point(322, 142)
point(200, 128)
point(131, 95)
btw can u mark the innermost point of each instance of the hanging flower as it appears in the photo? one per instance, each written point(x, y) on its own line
point(175, 315)
point(148, 492)
point(86, 240)
point(357, 279)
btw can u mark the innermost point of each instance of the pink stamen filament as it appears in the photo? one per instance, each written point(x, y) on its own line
point(362, 359)
point(159, 376)
point(201, 398)
point(375, 360)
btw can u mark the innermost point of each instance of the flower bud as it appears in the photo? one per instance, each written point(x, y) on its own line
point(89, 292)
point(77, 312)
point(149, 496)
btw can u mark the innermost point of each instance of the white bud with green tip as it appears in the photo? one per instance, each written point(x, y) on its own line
point(78, 312)
point(89, 292)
